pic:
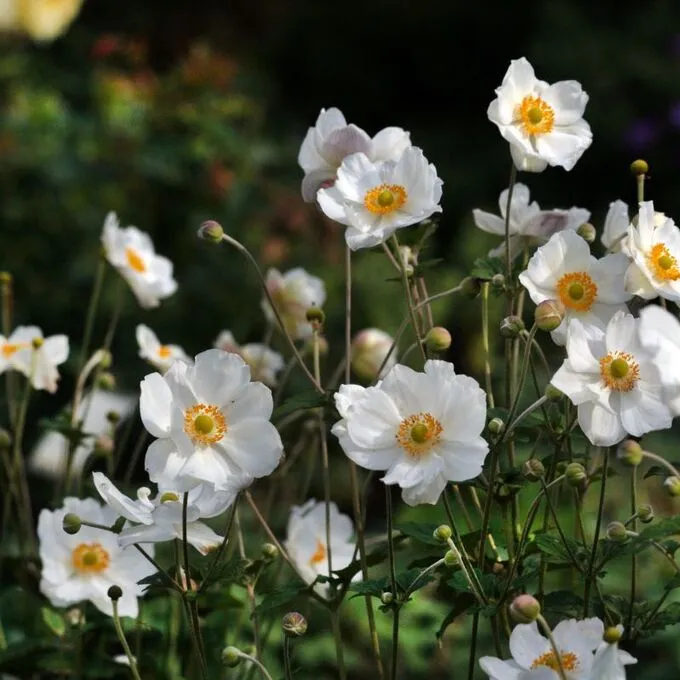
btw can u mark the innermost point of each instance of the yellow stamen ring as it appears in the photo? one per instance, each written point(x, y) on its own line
point(663, 265)
point(569, 661)
point(205, 424)
point(90, 558)
point(418, 434)
point(577, 291)
point(385, 199)
point(535, 116)
point(619, 371)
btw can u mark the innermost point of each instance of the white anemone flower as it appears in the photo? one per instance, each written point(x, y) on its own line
point(264, 362)
point(327, 144)
point(160, 519)
point(307, 545)
point(615, 226)
point(37, 357)
point(613, 381)
point(132, 253)
point(534, 658)
point(543, 123)
point(370, 347)
point(293, 293)
point(83, 566)
point(212, 423)
point(424, 429)
point(158, 355)
point(529, 226)
point(610, 662)
point(374, 199)
point(590, 289)
point(654, 247)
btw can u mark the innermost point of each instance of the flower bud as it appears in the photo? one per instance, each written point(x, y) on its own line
point(552, 393)
point(315, 316)
point(470, 287)
point(105, 358)
point(438, 339)
point(231, 657)
point(496, 426)
point(5, 279)
point(269, 552)
point(37, 342)
point(629, 452)
point(613, 634)
point(587, 232)
point(71, 523)
point(113, 417)
point(498, 280)
point(645, 513)
point(114, 593)
point(525, 609)
point(511, 327)
point(617, 532)
point(106, 381)
point(575, 474)
point(369, 349)
point(211, 231)
point(533, 470)
point(498, 568)
point(442, 533)
point(5, 438)
point(387, 597)
point(639, 167)
point(294, 624)
point(549, 314)
point(672, 485)
point(451, 559)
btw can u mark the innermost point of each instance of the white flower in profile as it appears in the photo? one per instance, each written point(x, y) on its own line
point(307, 545)
point(158, 355)
point(293, 293)
point(212, 423)
point(533, 656)
point(83, 566)
point(654, 247)
point(374, 199)
point(610, 662)
point(160, 519)
point(590, 289)
point(264, 362)
point(37, 357)
point(529, 226)
point(424, 429)
point(543, 123)
point(613, 381)
point(615, 226)
point(132, 253)
point(370, 347)
point(327, 144)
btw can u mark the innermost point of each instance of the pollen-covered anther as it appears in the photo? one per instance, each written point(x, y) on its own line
point(536, 115)
point(135, 262)
point(205, 424)
point(90, 558)
point(418, 433)
point(577, 291)
point(619, 371)
point(569, 661)
point(663, 265)
point(385, 198)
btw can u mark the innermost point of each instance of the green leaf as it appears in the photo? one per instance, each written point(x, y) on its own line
point(485, 268)
point(422, 532)
point(659, 471)
point(461, 604)
point(667, 617)
point(460, 583)
point(279, 596)
point(231, 571)
point(375, 587)
point(377, 556)
point(662, 529)
point(302, 401)
point(564, 602)
point(54, 621)
point(554, 550)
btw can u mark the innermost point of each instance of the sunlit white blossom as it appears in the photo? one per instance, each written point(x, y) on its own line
point(83, 566)
point(370, 348)
point(264, 362)
point(424, 429)
point(158, 355)
point(374, 199)
point(615, 226)
point(331, 139)
point(306, 542)
point(590, 289)
point(613, 381)
point(543, 123)
point(132, 253)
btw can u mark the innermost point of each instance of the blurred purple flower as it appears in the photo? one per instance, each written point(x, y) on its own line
point(642, 134)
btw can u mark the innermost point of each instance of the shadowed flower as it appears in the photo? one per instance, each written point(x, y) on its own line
point(159, 356)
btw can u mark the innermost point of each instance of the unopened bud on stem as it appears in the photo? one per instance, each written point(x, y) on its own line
point(114, 593)
point(442, 533)
point(629, 452)
point(617, 532)
point(71, 523)
point(672, 485)
point(639, 167)
point(511, 327)
point(549, 314)
point(525, 609)
point(211, 231)
point(575, 474)
point(438, 339)
point(612, 634)
point(587, 232)
point(645, 513)
point(533, 470)
point(231, 656)
point(294, 624)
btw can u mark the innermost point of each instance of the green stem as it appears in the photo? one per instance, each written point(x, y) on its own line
point(256, 663)
point(223, 545)
point(393, 583)
point(508, 261)
point(633, 557)
point(543, 624)
point(121, 636)
point(593, 553)
point(287, 665)
point(92, 312)
point(555, 517)
point(485, 344)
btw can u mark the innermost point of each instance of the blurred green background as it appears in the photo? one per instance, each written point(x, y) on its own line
point(171, 113)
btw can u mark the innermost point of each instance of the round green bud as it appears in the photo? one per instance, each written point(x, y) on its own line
point(549, 314)
point(71, 523)
point(587, 232)
point(387, 597)
point(672, 485)
point(575, 474)
point(612, 634)
point(470, 287)
point(294, 624)
point(114, 593)
point(511, 327)
point(231, 657)
point(438, 339)
point(498, 280)
point(630, 453)
point(269, 552)
point(552, 393)
point(106, 359)
point(113, 417)
point(496, 426)
point(5, 438)
point(617, 532)
point(315, 315)
point(451, 559)
point(442, 533)
point(211, 231)
point(639, 167)
point(645, 513)
point(106, 381)
point(525, 609)
point(37, 342)
point(533, 470)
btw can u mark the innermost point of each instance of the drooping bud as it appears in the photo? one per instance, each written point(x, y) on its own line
point(369, 349)
point(106, 381)
point(533, 470)
point(645, 513)
point(617, 532)
point(470, 287)
point(613, 634)
point(71, 523)
point(231, 656)
point(269, 552)
point(496, 426)
point(549, 314)
point(575, 474)
point(451, 559)
point(442, 533)
point(511, 327)
point(294, 624)
point(672, 485)
point(113, 417)
point(438, 339)
point(629, 452)
point(114, 593)
point(211, 231)
point(639, 167)
point(316, 316)
point(387, 597)
point(587, 232)
point(552, 393)
point(525, 609)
